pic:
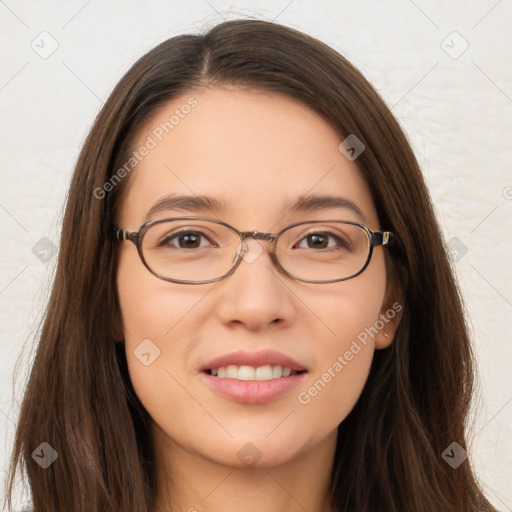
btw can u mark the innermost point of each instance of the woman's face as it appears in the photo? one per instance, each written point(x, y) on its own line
point(256, 154)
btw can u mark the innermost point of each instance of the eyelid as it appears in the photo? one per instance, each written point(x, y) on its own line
point(326, 232)
point(317, 224)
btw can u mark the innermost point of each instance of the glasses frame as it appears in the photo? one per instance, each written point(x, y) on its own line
point(375, 238)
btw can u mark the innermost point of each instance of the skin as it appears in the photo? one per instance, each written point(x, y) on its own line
point(270, 149)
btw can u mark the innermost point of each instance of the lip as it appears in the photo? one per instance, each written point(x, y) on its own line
point(256, 359)
point(253, 391)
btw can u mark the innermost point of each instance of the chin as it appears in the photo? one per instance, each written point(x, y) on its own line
point(261, 451)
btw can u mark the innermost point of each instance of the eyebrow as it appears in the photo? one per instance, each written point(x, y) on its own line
point(306, 203)
point(314, 202)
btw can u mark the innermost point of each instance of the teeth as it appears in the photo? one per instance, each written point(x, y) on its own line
point(244, 373)
point(263, 373)
point(251, 373)
point(232, 372)
point(277, 371)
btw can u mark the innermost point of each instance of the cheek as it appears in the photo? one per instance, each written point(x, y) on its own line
point(350, 313)
point(150, 307)
point(337, 381)
point(155, 316)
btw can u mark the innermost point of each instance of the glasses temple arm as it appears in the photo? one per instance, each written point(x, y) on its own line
point(382, 237)
point(121, 235)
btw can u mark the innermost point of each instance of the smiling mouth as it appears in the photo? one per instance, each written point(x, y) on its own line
point(245, 372)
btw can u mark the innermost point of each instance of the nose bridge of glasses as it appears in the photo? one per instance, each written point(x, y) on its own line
point(258, 235)
point(250, 252)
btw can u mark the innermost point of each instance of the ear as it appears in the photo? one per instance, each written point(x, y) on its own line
point(390, 315)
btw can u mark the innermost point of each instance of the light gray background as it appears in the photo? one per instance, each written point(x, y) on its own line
point(456, 108)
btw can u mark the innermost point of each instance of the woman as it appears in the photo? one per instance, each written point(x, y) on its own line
point(253, 307)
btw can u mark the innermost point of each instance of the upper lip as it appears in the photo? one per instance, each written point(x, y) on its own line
point(256, 359)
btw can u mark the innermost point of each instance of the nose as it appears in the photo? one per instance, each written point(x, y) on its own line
point(257, 293)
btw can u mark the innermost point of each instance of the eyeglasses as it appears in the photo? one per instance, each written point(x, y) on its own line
point(196, 250)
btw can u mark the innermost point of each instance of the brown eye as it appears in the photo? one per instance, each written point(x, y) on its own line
point(323, 240)
point(184, 240)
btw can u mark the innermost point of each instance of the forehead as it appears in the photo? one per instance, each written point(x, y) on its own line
point(254, 152)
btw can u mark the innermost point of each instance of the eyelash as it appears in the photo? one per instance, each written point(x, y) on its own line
point(343, 244)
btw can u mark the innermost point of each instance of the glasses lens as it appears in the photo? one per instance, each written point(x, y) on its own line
point(190, 249)
point(202, 250)
point(323, 251)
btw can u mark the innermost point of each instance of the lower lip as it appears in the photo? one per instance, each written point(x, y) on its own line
point(253, 391)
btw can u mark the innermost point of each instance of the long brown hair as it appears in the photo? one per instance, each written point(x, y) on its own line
point(79, 397)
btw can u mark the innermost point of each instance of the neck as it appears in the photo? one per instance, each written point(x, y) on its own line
point(193, 483)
